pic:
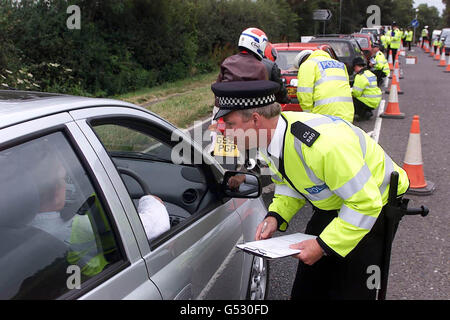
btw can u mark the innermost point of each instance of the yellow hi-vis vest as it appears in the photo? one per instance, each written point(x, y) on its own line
point(366, 90)
point(323, 86)
point(381, 63)
point(341, 169)
point(409, 35)
point(89, 247)
point(396, 39)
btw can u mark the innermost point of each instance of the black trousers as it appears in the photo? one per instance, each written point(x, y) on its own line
point(361, 109)
point(408, 43)
point(337, 278)
point(394, 55)
point(380, 76)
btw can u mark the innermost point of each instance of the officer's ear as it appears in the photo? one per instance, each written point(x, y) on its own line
point(256, 118)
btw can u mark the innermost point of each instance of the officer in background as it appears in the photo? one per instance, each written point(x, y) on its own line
point(337, 168)
point(396, 37)
point(366, 94)
point(379, 64)
point(323, 85)
point(424, 35)
point(409, 38)
point(274, 72)
point(437, 43)
point(388, 43)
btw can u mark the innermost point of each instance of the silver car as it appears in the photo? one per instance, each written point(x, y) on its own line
point(72, 173)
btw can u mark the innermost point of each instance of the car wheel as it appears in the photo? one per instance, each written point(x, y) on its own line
point(259, 279)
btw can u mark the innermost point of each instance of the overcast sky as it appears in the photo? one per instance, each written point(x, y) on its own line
point(437, 3)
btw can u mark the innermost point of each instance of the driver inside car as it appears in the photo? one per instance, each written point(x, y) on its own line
point(88, 234)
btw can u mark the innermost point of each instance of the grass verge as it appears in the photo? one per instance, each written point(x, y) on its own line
point(181, 102)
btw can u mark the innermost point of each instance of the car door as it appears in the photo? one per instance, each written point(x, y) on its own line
point(75, 240)
point(196, 258)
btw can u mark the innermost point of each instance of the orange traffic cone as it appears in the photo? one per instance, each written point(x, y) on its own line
point(395, 81)
point(413, 163)
point(393, 110)
point(391, 66)
point(448, 65)
point(427, 46)
point(437, 56)
point(442, 61)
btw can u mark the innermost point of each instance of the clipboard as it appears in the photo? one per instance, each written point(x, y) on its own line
point(275, 248)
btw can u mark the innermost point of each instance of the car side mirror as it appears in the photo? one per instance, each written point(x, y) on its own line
point(238, 184)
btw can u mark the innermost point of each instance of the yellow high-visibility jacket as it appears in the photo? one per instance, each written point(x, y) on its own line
point(396, 39)
point(409, 35)
point(335, 166)
point(323, 86)
point(366, 90)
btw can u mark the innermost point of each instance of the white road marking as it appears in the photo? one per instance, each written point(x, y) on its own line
point(376, 130)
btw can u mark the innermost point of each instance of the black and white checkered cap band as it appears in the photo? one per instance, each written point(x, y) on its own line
point(245, 103)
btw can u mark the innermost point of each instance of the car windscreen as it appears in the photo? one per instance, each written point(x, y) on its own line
point(446, 34)
point(285, 60)
point(363, 42)
point(342, 49)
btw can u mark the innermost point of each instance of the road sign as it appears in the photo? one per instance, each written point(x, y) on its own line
point(415, 23)
point(322, 14)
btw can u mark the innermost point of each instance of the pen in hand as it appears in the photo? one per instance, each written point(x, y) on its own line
point(263, 229)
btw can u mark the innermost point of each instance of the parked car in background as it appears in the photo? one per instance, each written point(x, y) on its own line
point(376, 31)
point(73, 170)
point(365, 42)
point(346, 49)
point(435, 35)
point(285, 61)
point(445, 34)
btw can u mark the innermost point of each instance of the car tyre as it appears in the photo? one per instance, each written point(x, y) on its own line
point(259, 279)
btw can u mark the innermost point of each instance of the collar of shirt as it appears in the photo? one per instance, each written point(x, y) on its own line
point(276, 144)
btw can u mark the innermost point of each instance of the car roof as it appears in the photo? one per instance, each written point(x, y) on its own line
point(19, 106)
point(297, 46)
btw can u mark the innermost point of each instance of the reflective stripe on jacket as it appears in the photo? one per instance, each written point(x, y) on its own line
point(344, 169)
point(323, 86)
point(366, 90)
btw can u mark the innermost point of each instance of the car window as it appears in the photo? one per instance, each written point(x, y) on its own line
point(119, 139)
point(285, 60)
point(341, 48)
point(167, 184)
point(55, 234)
point(363, 42)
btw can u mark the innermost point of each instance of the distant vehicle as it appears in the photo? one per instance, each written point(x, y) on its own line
point(376, 31)
point(365, 42)
point(346, 49)
point(285, 61)
point(445, 34)
point(435, 35)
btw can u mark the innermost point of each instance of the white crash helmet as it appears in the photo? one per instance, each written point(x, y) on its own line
point(254, 40)
point(298, 58)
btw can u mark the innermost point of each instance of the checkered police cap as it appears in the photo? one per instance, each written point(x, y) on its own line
point(240, 95)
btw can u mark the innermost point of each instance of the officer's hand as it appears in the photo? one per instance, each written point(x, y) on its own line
point(269, 230)
point(311, 251)
point(235, 181)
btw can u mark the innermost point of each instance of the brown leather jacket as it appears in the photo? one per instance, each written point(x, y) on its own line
point(243, 66)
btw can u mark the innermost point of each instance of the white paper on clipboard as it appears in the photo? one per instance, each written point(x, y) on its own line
point(275, 247)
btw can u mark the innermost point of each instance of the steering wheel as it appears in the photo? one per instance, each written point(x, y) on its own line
point(144, 186)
